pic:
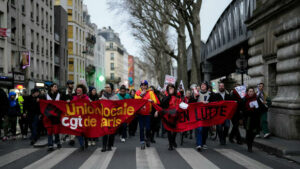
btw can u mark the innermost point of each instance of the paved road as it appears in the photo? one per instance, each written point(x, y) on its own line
point(18, 154)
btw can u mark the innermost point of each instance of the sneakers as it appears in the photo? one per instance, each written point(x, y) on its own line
point(4, 138)
point(267, 135)
point(50, 148)
point(123, 140)
point(170, 148)
point(205, 147)
point(257, 136)
point(148, 143)
point(199, 148)
point(143, 146)
point(89, 143)
point(93, 143)
point(59, 146)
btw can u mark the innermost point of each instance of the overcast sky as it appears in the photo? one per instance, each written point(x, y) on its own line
point(104, 17)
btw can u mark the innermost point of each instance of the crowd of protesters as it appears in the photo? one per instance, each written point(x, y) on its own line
point(25, 111)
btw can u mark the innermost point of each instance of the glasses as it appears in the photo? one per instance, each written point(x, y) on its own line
point(106, 87)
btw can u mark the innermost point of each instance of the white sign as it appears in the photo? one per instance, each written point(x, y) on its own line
point(253, 104)
point(241, 90)
point(181, 86)
point(169, 80)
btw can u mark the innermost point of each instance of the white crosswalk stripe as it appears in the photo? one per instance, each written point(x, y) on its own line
point(195, 159)
point(51, 159)
point(148, 159)
point(242, 159)
point(15, 155)
point(98, 160)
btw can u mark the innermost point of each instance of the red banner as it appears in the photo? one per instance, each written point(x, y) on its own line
point(91, 119)
point(197, 114)
point(99, 118)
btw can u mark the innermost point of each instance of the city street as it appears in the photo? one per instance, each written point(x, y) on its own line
point(18, 154)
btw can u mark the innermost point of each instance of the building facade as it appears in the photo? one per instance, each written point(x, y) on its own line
point(3, 45)
point(60, 45)
point(116, 68)
point(99, 62)
point(76, 39)
point(32, 33)
point(275, 60)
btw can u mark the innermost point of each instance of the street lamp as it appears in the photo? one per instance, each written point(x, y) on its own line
point(101, 78)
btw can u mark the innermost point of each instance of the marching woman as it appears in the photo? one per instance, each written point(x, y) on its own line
point(93, 97)
point(108, 94)
point(252, 116)
point(81, 91)
point(171, 102)
point(145, 116)
point(53, 126)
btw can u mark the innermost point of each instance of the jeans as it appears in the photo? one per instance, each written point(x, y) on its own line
point(201, 133)
point(50, 139)
point(124, 130)
point(222, 130)
point(144, 122)
point(80, 140)
point(23, 122)
point(34, 128)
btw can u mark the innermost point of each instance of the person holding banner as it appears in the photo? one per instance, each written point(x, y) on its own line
point(222, 129)
point(204, 96)
point(81, 94)
point(52, 126)
point(171, 104)
point(123, 129)
point(145, 112)
point(108, 140)
point(252, 115)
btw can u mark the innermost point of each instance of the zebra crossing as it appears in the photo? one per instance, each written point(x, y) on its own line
point(144, 159)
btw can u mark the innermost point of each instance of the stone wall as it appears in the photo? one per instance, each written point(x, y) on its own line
point(276, 41)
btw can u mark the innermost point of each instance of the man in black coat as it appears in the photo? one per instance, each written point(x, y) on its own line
point(32, 106)
point(222, 129)
point(3, 106)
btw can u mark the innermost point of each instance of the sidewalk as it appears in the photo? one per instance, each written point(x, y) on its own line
point(289, 149)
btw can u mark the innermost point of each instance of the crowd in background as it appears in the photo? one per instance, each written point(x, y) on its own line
point(25, 111)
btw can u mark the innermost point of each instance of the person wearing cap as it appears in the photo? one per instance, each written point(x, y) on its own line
point(32, 106)
point(145, 113)
point(123, 95)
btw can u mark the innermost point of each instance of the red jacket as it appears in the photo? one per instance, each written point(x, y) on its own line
point(146, 110)
point(84, 96)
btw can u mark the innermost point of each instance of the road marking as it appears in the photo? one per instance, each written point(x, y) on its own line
point(148, 159)
point(195, 159)
point(51, 159)
point(98, 160)
point(15, 155)
point(242, 159)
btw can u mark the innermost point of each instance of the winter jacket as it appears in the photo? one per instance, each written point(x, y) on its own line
point(147, 109)
point(126, 96)
point(14, 107)
point(251, 114)
point(107, 96)
point(77, 97)
point(32, 106)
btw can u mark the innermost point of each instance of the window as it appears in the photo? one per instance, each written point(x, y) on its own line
point(70, 12)
point(13, 2)
point(13, 29)
point(37, 13)
point(112, 76)
point(111, 45)
point(23, 35)
point(32, 40)
point(70, 48)
point(70, 31)
point(70, 2)
point(112, 56)
point(112, 66)
point(1, 19)
point(23, 7)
